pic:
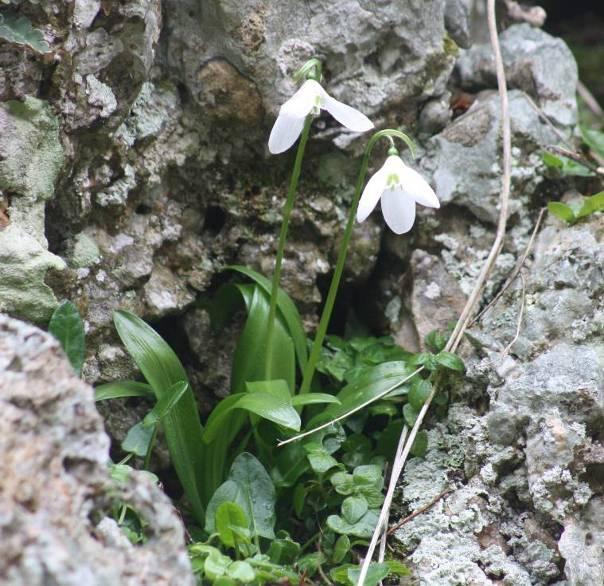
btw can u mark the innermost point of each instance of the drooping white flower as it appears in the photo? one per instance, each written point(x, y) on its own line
point(399, 188)
point(311, 97)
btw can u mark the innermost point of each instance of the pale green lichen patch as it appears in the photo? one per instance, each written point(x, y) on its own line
point(85, 251)
point(23, 265)
point(31, 153)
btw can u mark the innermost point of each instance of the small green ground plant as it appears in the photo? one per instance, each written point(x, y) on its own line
point(283, 482)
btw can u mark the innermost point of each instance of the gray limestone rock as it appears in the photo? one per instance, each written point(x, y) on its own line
point(535, 62)
point(464, 157)
point(56, 493)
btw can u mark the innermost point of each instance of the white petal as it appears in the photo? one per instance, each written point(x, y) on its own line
point(285, 133)
point(398, 209)
point(372, 193)
point(417, 187)
point(346, 115)
point(302, 102)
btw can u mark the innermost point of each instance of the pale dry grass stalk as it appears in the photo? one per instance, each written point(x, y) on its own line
point(474, 298)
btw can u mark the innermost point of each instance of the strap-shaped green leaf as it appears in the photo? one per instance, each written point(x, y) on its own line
point(182, 426)
point(249, 361)
point(288, 311)
point(166, 403)
point(123, 390)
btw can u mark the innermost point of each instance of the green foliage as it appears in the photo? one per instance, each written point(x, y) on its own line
point(18, 30)
point(565, 167)
point(342, 360)
point(324, 491)
point(577, 211)
point(594, 139)
point(181, 424)
point(66, 326)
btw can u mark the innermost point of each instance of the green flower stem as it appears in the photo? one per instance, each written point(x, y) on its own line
point(315, 352)
point(287, 209)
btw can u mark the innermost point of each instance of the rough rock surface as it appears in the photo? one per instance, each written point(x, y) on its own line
point(538, 448)
point(56, 494)
point(133, 169)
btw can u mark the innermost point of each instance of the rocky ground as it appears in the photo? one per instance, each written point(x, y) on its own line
point(134, 168)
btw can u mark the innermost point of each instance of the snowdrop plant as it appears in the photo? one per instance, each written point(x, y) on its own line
point(399, 187)
point(294, 120)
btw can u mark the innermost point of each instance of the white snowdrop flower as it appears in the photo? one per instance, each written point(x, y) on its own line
point(399, 188)
point(311, 98)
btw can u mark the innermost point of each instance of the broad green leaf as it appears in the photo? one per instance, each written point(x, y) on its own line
point(363, 528)
point(353, 508)
point(319, 459)
point(288, 311)
point(166, 403)
point(561, 211)
point(368, 475)
point(420, 445)
point(594, 139)
point(592, 204)
point(137, 440)
point(255, 494)
point(398, 568)
point(225, 303)
point(250, 360)
point(66, 326)
point(231, 524)
point(314, 399)
point(340, 549)
point(450, 361)
point(182, 426)
point(19, 30)
point(418, 393)
point(342, 482)
point(271, 407)
point(227, 492)
point(425, 359)
point(123, 390)
point(273, 402)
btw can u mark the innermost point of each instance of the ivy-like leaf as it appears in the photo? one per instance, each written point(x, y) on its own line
point(66, 326)
point(138, 439)
point(450, 361)
point(17, 29)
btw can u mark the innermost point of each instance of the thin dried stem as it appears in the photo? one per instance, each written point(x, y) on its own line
point(419, 511)
point(507, 349)
point(385, 512)
point(474, 298)
point(352, 411)
point(515, 270)
point(589, 99)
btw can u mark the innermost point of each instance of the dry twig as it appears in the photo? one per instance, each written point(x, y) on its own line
point(589, 99)
point(515, 270)
point(419, 511)
point(474, 298)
